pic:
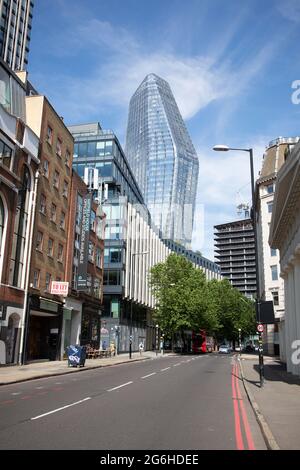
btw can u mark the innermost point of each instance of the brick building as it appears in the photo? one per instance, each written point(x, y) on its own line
point(18, 168)
point(45, 311)
point(84, 267)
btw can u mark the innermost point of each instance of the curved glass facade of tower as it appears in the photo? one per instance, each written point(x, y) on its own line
point(163, 158)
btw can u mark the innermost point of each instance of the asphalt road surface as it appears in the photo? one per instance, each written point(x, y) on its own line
point(169, 403)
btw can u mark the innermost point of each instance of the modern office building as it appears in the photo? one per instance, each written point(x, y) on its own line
point(163, 159)
point(285, 237)
point(235, 253)
point(271, 285)
point(15, 30)
point(132, 242)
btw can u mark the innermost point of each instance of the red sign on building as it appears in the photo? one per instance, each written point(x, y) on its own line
point(59, 288)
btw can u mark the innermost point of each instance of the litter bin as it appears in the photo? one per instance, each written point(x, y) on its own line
point(76, 355)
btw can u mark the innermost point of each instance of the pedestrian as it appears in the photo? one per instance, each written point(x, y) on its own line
point(141, 347)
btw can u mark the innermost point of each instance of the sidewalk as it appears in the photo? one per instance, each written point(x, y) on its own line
point(36, 370)
point(277, 404)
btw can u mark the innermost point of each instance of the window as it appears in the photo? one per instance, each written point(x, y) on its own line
point(270, 207)
point(65, 188)
point(60, 253)
point(58, 147)
point(39, 241)
point(48, 281)
point(62, 222)
point(20, 230)
point(56, 179)
point(115, 255)
point(275, 296)
point(46, 168)
point(274, 273)
point(43, 204)
point(111, 278)
point(97, 288)
point(93, 221)
point(270, 188)
point(68, 158)
point(49, 137)
point(36, 278)
point(91, 252)
point(273, 252)
point(98, 258)
point(5, 154)
point(53, 213)
point(50, 247)
point(2, 215)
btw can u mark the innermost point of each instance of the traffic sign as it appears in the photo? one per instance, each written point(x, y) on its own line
point(260, 328)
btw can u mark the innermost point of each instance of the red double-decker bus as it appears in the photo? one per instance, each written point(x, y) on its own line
point(201, 343)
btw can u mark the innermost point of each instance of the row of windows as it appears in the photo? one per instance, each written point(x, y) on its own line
point(48, 279)
point(50, 246)
point(59, 146)
point(53, 212)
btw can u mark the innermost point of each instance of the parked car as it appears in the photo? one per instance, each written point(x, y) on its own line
point(224, 349)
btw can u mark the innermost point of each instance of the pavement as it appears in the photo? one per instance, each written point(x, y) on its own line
point(277, 404)
point(37, 370)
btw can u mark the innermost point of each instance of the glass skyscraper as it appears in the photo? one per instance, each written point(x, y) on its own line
point(163, 158)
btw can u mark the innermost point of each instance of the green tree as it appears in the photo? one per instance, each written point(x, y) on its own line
point(181, 293)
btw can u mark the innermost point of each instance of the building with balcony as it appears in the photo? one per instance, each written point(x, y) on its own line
point(235, 254)
point(271, 285)
point(285, 237)
point(15, 31)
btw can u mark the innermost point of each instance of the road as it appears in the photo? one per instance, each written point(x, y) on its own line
point(170, 403)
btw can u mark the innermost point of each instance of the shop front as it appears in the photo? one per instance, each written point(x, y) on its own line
point(90, 325)
point(44, 329)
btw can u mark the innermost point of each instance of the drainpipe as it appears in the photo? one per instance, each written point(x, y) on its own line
point(28, 250)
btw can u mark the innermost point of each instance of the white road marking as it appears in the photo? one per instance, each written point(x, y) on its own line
point(119, 386)
point(60, 409)
point(16, 393)
point(149, 375)
point(178, 364)
point(166, 368)
point(39, 388)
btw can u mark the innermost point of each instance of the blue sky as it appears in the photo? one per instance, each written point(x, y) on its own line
point(230, 65)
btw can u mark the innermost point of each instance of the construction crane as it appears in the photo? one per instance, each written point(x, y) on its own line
point(242, 206)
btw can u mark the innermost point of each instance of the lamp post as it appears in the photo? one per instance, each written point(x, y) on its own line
point(131, 305)
point(240, 341)
point(225, 148)
point(156, 338)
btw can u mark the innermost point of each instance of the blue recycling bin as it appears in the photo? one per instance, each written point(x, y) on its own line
point(76, 355)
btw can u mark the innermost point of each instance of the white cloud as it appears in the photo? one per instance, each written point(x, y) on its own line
point(289, 9)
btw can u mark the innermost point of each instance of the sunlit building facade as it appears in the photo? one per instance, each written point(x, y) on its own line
point(163, 158)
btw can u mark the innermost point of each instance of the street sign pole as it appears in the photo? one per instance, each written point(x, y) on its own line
point(260, 329)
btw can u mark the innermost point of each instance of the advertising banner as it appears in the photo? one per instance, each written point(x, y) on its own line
point(84, 242)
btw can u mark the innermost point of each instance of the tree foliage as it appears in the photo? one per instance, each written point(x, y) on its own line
point(185, 300)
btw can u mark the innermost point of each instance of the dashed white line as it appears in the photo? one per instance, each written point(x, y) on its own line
point(119, 386)
point(149, 375)
point(178, 364)
point(60, 409)
point(166, 368)
point(16, 393)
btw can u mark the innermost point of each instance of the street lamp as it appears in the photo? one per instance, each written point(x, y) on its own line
point(225, 148)
point(131, 305)
point(240, 341)
point(156, 338)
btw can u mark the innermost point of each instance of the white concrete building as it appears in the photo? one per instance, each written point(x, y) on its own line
point(285, 236)
point(271, 285)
